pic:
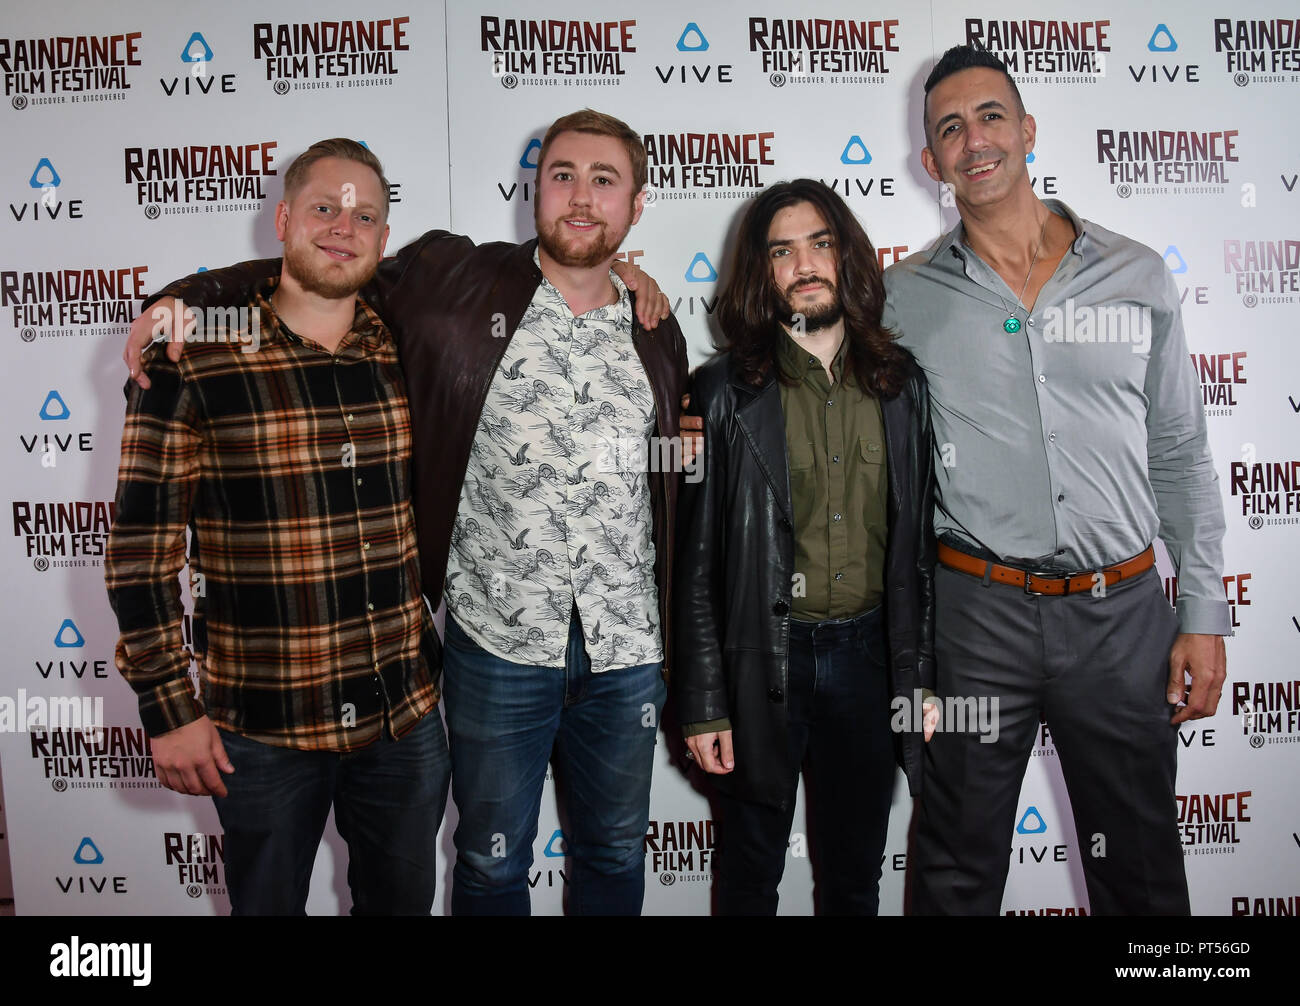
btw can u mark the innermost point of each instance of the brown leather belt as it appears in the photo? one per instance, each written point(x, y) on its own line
point(1035, 583)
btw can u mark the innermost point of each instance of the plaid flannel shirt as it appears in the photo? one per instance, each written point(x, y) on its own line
point(290, 466)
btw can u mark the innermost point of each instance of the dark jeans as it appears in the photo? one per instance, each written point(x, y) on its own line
point(1096, 667)
point(504, 721)
point(838, 698)
point(388, 800)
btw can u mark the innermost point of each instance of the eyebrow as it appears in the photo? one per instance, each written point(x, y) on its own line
point(600, 166)
point(825, 232)
point(992, 103)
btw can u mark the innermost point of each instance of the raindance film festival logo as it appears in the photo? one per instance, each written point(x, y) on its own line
point(63, 535)
point(1263, 272)
point(680, 851)
point(551, 52)
point(1269, 490)
point(824, 51)
point(1209, 823)
point(1267, 711)
point(1165, 162)
point(1259, 52)
point(708, 165)
point(107, 758)
point(211, 178)
point(330, 54)
point(1287, 905)
point(68, 69)
point(56, 303)
point(1045, 52)
point(199, 862)
point(1223, 379)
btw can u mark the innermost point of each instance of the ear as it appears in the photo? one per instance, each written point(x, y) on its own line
point(1029, 129)
point(931, 164)
point(638, 204)
point(281, 219)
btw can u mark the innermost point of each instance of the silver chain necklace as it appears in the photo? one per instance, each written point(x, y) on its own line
point(1012, 324)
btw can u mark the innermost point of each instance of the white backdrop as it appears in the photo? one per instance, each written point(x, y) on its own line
point(454, 99)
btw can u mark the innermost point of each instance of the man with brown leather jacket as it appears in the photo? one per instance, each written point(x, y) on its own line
point(804, 608)
point(536, 397)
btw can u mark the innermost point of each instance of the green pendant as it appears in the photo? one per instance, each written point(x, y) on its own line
point(1012, 325)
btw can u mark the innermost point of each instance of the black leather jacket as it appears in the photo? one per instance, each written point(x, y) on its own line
point(735, 560)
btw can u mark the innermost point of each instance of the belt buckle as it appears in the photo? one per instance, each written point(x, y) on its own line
point(1042, 593)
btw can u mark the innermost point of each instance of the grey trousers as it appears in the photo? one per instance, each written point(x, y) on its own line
point(1097, 668)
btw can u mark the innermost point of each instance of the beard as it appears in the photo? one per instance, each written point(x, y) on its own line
point(573, 255)
point(322, 280)
point(816, 316)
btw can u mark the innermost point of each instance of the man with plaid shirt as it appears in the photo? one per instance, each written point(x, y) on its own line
point(283, 445)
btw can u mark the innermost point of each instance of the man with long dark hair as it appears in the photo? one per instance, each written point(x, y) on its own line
point(804, 592)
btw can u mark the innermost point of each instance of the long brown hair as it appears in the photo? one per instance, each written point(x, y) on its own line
point(750, 307)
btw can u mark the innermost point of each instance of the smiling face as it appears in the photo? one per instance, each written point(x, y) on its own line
point(333, 228)
point(585, 201)
point(805, 265)
point(978, 136)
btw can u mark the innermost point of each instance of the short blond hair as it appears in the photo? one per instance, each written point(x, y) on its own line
point(341, 147)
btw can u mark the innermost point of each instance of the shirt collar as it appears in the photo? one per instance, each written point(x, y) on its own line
point(367, 335)
point(954, 242)
point(620, 312)
point(796, 361)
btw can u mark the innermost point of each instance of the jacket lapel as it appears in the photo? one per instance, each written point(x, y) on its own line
point(894, 414)
point(762, 421)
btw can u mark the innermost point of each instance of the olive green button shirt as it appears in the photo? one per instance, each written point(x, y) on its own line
point(835, 441)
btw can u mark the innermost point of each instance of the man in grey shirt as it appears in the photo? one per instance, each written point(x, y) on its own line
point(1069, 434)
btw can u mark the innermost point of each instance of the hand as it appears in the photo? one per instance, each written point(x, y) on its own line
point(702, 747)
point(186, 759)
point(152, 323)
point(692, 433)
point(1205, 660)
point(930, 719)
point(651, 304)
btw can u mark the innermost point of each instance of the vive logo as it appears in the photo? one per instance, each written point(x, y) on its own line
point(196, 50)
point(529, 158)
point(1168, 44)
point(63, 641)
point(54, 401)
point(87, 853)
point(692, 39)
point(557, 846)
point(1176, 263)
point(701, 270)
point(1031, 822)
point(51, 180)
point(855, 151)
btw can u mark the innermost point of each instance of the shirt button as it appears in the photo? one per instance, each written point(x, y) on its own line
point(358, 482)
point(1031, 322)
point(830, 402)
point(376, 665)
point(836, 459)
point(1051, 437)
point(839, 576)
point(835, 517)
point(370, 606)
point(348, 417)
point(1060, 498)
point(1042, 379)
point(365, 546)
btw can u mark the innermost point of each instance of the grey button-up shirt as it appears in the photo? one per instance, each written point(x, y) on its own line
point(1070, 444)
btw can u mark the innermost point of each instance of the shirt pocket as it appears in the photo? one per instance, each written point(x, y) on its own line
point(871, 458)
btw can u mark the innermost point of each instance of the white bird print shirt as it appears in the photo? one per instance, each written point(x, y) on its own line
point(555, 507)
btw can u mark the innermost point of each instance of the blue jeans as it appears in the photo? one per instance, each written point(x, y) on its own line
point(504, 720)
point(838, 697)
point(388, 800)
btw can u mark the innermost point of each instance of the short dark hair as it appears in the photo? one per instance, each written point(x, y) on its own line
point(749, 308)
point(956, 59)
point(341, 147)
point(588, 120)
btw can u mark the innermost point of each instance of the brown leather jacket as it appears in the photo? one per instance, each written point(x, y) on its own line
point(453, 307)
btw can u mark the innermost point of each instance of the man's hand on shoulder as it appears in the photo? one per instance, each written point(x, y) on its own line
point(187, 759)
point(652, 304)
point(155, 324)
point(1204, 659)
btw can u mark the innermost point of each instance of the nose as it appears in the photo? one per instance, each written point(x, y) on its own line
point(974, 136)
point(342, 223)
point(803, 262)
point(580, 193)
